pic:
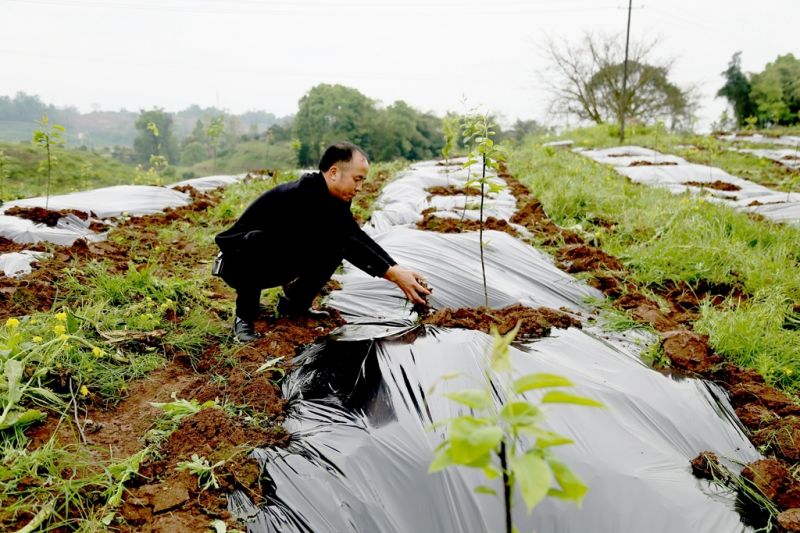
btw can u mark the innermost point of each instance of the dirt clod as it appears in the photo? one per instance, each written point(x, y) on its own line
point(789, 520)
point(705, 465)
point(689, 351)
point(774, 479)
point(535, 323)
point(718, 185)
point(584, 258)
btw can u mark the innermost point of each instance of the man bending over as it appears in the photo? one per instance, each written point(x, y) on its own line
point(297, 234)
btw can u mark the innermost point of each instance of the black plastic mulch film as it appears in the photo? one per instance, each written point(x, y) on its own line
point(360, 408)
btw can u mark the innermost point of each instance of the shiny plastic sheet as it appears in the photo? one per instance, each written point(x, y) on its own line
point(402, 201)
point(786, 157)
point(112, 201)
point(209, 183)
point(65, 232)
point(361, 405)
point(515, 272)
point(15, 264)
point(775, 205)
point(106, 202)
point(757, 138)
point(361, 412)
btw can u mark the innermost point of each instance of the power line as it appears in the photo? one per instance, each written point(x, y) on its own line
point(330, 8)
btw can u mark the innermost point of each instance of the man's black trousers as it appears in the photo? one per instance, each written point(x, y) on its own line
point(257, 264)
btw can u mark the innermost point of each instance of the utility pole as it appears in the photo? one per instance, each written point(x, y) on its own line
point(625, 78)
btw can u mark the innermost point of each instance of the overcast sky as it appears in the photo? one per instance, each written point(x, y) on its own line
point(265, 54)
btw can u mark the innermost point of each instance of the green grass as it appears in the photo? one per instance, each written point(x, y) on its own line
point(245, 157)
point(661, 237)
point(700, 149)
point(107, 329)
point(74, 170)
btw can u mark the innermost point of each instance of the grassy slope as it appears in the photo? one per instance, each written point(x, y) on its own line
point(145, 297)
point(74, 170)
point(247, 156)
point(701, 149)
point(662, 237)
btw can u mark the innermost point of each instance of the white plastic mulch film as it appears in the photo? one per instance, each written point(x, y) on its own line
point(361, 404)
point(208, 183)
point(649, 167)
point(116, 201)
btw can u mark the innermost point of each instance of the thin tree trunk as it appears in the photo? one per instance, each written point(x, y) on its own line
point(480, 236)
point(506, 487)
point(49, 165)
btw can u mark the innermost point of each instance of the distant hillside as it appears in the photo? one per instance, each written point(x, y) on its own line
point(74, 170)
point(20, 113)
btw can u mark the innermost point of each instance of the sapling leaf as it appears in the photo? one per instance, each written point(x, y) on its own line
point(533, 476)
point(483, 489)
point(500, 360)
point(491, 472)
point(471, 438)
point(441, 460)
point(474, 398)
point(519, 412)
point(572, 487)
point(551, 438)
point(540, 381)
point(563, 397)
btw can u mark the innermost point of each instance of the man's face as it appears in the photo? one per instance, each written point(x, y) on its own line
point(345, 179)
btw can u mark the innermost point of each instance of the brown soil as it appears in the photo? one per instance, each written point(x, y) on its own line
point(161, 498)
point(8, 246)
point(431, 222)
point(706, 465)
point(775, 480)
point(643, 163)
point(770, 415)
point(176, 501)
point(531, 214)
point(44, 216)
point(584, 258)
point(452, 190)
point(716, 185)
point(369, 192)
point(534, 323)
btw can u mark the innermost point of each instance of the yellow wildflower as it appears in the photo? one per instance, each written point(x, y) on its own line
point(37, 338)
point(63, 337)
point(788, 371)
point(11, 323)
point(59, 329)
point(61, 317)
point(84, 390)
point(97, 352)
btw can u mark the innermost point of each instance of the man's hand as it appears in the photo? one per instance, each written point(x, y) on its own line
point(409, 283)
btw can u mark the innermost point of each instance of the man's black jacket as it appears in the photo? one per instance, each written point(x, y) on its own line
point(305, 223)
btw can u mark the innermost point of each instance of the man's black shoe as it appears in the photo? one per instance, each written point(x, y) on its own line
point(243, 330)
point(287, 309)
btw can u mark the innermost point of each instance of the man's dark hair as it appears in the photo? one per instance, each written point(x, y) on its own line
point(341, 151)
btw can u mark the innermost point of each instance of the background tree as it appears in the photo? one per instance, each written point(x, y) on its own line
point(155, 140)
point(775, 91)
point(328, 113)
point(586, 82)
point(737, 90)
point(215, 129)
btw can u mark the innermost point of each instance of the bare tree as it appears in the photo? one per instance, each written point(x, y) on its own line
point(586, 81)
